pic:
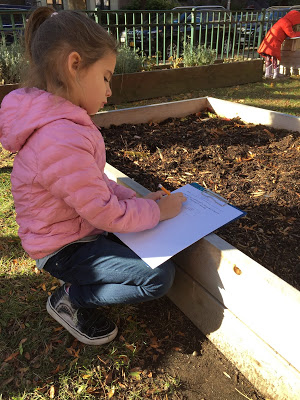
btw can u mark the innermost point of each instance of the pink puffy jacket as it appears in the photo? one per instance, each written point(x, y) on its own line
point(59, 186)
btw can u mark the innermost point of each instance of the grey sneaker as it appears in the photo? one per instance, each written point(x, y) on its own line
point(85, 324)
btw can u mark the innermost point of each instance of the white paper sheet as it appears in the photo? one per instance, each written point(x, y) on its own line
point(201, 214)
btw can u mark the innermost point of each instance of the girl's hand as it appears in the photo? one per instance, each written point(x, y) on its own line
point(155, 195)
point(170, 206)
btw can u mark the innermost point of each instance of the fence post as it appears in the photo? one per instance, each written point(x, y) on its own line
point(263, 13)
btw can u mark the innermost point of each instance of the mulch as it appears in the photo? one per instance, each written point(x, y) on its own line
point(255, 167)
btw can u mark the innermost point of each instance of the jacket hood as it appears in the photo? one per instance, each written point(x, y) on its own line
point(23, 111)
point(293, 16)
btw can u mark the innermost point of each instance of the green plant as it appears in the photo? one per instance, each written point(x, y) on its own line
point(128, 61)
point(11, 62)
point(175, 62)
point(149, 63)
point(197, 55)
point(235, 58)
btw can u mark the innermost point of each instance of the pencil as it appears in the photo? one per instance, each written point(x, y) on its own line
point(164, 189)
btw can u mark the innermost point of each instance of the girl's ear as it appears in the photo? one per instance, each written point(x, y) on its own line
point(73, 63)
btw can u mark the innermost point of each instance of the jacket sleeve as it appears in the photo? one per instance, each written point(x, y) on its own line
point(68, 170)
point(293, 34)
point(120, 191)
point(288, 30)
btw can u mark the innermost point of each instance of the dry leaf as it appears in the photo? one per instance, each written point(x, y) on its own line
point(91, 389)
point(73, 362)
point(80, 389)
point(136, 375)
point(130, 347)
point(111, 393)
point(136, 369)
point(70, 350)
point(177, 348)
point(154, 345)
point(12, 356)
point(270, 134)
point(57, 369)
point(124, 358)
point(103, 361)
point(52, 392)
point(108, 378)
point(258, 193)
point(7, 381)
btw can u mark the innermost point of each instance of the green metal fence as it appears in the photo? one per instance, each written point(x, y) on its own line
point(12, 25)
point(161, 34)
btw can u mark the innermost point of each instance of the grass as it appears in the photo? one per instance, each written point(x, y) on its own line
point(40, 360)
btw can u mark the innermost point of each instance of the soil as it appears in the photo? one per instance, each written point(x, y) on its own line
point(180, 350)
point(255, 167)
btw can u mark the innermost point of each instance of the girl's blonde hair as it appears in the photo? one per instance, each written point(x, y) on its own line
point(49, 39)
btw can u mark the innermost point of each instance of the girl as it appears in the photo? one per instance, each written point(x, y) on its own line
point(65, 204)
point(270, 47)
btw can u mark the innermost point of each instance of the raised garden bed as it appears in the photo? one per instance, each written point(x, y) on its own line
point(168, 82)
point(243, 307)
point(5, 89)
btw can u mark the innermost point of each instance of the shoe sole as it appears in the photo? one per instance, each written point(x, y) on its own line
point(79, 336)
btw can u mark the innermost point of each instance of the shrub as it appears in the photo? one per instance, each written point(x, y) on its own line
point(128, 61)
point(11, 62)
point(197, 55)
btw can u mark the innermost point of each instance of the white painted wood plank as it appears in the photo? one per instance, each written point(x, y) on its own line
point(151, 113)
point(262, 366)
point(254, 115)
point(255, 295)
point(118, 176)
point(178, 109)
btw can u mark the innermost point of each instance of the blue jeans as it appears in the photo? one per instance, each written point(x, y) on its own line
point(105, 271)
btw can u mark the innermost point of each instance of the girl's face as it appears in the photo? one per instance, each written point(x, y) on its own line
point(92, 85)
